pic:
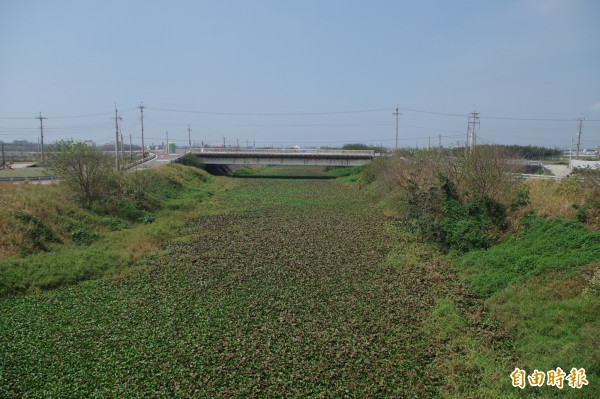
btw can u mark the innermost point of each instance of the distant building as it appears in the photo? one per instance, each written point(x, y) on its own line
point(89, 143)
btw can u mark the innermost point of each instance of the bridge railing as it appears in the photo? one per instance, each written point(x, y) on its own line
point(280, 151)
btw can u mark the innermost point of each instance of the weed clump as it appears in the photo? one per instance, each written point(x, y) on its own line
point(37, 234)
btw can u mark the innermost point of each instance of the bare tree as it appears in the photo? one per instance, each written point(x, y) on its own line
point(84, 169)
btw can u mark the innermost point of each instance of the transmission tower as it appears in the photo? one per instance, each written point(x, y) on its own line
point(471, 131)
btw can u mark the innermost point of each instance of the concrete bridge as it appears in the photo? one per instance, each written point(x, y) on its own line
point(292, 157)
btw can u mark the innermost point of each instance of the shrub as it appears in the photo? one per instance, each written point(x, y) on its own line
point(83, 236)
point(84, 169)
point(474, 224)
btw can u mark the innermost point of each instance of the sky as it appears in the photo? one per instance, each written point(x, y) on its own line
point(309, 73)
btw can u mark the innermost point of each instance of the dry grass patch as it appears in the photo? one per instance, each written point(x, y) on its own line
point(552, 198)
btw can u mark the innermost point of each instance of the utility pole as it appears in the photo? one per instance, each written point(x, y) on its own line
point(238, 143)
point(471, 133)
point(130, 149)
point(117, 117)
point(190, 137)
point(141, 107)
point(3, 163)
point(122, 146)
point(581, 119)
point(223, 141)
point(167, 145)
point(440, 141)
point(397, 114)
point(41, 118)
point(571, 155)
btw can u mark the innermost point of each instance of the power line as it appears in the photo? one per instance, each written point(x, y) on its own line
point(271, 113)
point(527, 119)
point(420, 111)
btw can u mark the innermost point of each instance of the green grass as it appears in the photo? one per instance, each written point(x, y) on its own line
point(542, 284)
point(546, 245)
point(349, 174)
point(23, 172)
point(50, 270)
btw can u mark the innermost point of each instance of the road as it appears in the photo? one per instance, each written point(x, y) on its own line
point(160, 159)
point(558, 170)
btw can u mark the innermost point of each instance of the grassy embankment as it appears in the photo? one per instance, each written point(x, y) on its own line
point(541, 283)
point(47, 240)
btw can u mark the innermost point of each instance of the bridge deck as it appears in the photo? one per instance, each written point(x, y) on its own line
point(252, 152)
point(249, 156)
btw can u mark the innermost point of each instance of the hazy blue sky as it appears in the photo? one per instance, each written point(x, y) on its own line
point(224, 60)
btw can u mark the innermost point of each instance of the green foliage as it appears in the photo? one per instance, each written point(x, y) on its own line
point(474, 225)
point(521, 200)
point(544, 245)
point(246, 171)
point(373, 170)
point(438, 214)
point(38, 235)
point(349, 174)
point(81, 234)
point(424, 211)
point(190, 159)
point(345, 171)
point(122, 209)
point(534, 152)
point(116, 223)
point(360, 146)
point(518, 151)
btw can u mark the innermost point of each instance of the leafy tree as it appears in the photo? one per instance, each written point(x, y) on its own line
point(84, 169)
point(360, 146)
